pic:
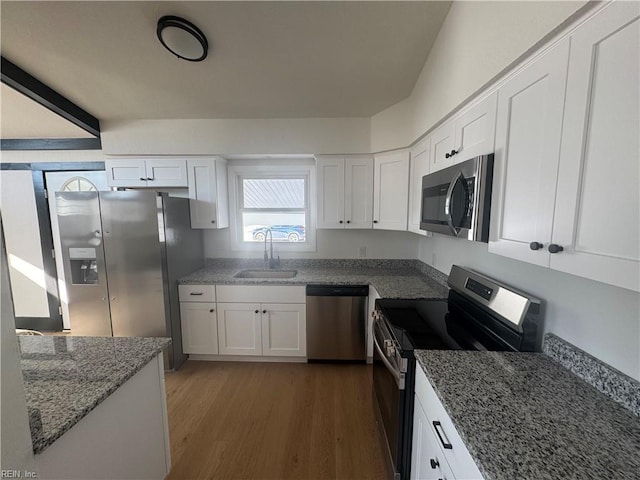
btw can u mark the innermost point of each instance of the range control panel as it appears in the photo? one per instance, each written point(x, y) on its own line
point(479, 289)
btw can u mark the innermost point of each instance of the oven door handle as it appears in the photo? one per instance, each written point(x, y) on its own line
point(447, 203)
point(399, 376)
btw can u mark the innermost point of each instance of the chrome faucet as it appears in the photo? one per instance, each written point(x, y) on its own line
point(269, 257)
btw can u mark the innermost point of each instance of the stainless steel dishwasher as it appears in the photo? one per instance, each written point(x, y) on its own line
point(336, 322)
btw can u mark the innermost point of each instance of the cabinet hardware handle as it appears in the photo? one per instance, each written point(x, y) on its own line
point(375, 221)
point(446, 445)
point(447, 155)
point(257, 311)
point(535, 245)
point(264, 311)
point(555, 248)
point(213, 221)
point(142, 178)
point(434, 463)
point(454, 152)
point(195, 294)
point(212, 310)
point(150, 178)
point(340, 221)
point(348, 221)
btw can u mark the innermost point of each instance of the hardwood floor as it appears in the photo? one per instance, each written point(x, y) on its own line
point(272, 421)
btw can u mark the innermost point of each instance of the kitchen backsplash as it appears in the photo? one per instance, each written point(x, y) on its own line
point(613, 383)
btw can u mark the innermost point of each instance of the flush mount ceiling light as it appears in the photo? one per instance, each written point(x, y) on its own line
point(182, 38)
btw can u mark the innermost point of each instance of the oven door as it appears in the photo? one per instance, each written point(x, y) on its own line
point(389, 394)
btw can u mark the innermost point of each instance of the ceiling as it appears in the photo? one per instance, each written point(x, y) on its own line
point(266, 59)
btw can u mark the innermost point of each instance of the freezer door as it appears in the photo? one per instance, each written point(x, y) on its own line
point(134, 263)
point(84, 264)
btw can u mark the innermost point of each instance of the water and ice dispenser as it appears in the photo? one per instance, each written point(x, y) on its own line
point(84, 267)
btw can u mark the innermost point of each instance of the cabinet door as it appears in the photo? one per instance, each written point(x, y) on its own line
point(528, 133)
point(126, 173)
point(358, 192)
point(391, 190)
point(597, 209)
point(207, 178)
point(475, 130)
point(239, 329)
point(284, 329)
point(165, 172)
point(427, 460)
point(442, 142)
point(457, 456)
point(419, 167)
point(330, 175)
point(199, 327)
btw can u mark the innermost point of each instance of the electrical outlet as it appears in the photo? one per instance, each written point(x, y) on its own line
point(362, 252)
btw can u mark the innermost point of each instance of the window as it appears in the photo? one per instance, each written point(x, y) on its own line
point(271, 201)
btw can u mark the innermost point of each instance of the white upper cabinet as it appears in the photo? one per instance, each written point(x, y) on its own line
point(391, 190)
point(597, 205)
point(566, 171)
point(475, 129)
point(442, 141)
point(469, 133)
point(418, 167)
point(209, 202)
point(345, 191)
point(150, 172)
point(527, 149)
point(358, 191)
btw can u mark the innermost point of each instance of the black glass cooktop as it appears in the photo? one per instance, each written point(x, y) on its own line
point(418, 324)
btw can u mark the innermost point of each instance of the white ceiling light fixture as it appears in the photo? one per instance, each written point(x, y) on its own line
point(182, 38)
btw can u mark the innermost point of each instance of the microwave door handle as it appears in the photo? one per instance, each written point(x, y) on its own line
point(447, 203)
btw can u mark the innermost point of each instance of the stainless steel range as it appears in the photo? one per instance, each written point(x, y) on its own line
point(479, 314)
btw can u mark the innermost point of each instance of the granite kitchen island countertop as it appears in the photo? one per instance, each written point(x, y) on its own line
point(524, 416)
point(66, 377)
point(408, 279)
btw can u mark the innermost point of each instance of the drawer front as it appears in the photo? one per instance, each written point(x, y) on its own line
point(197, 293)
point(458, 457)
point(261, 294)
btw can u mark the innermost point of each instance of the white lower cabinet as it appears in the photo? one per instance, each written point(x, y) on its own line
point(250, 322)
point(269, 329)
point(199, 327)
point(427, 460)
point(438, 450)
point(284, 329)
point(239, 329)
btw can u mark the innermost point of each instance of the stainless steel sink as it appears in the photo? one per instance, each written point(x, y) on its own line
point(266, 274)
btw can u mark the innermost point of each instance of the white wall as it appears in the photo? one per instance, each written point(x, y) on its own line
point(22, 236)
point(330, 244)
point(16, 450)
point(477, 41)
point(240, 136)
point(598, 318)
point(45, 156)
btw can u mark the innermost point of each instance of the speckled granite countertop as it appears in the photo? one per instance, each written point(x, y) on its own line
point(409, 279)
point(66, 377)
point(524, 416)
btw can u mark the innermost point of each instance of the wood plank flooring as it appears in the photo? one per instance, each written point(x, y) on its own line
point(272, 421)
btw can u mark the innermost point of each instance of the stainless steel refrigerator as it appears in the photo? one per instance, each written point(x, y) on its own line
point(123, 252)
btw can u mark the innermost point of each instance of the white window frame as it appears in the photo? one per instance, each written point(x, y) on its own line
point(292, 169)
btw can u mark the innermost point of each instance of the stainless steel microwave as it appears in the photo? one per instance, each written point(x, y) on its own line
point(456, 201)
